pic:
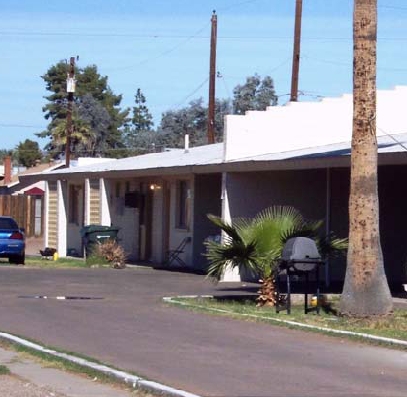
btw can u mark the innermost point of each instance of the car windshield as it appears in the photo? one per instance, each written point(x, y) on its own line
point(8, 223)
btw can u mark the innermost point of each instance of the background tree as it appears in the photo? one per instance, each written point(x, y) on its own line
point(255, 94)
point(191, 120)
point(4, 153)
point(89, 83)
point(365, 292)
point(28, 153)
point(140, 136)
point(142, 119)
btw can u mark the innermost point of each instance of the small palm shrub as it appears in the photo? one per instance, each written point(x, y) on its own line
point(255, 245)
point(113, 253)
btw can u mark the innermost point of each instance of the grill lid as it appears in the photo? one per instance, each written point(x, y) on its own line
point(302, 252)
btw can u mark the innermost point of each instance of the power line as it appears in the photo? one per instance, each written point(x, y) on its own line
point(393, 8)
point(347, 64)
point(192, 93)
point(391, 136)
point(237, 5)
point(20, 126)
point(166, 52)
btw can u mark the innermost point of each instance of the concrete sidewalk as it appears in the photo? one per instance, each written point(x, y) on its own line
point(29, 378)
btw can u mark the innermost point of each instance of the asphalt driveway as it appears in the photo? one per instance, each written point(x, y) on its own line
point(132, 329)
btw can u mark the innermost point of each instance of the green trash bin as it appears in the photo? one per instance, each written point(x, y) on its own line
point(96, 234)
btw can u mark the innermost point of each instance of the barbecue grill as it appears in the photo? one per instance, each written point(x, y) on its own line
point(300, 257)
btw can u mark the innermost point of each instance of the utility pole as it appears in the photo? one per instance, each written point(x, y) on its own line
point(296, 52)
point(70, 89)
point(212, 78)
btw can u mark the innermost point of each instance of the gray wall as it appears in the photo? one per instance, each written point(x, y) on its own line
point(393, 217)
point(251, 192)
point(207, 200)
point(393, 222)
point(306, 190)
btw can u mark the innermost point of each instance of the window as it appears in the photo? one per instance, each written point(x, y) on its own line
point(183, 193)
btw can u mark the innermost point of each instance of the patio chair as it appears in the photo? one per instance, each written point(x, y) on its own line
point(173, 256)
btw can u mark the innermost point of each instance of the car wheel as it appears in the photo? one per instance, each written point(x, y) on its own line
point(17, 259)
point(20, 260)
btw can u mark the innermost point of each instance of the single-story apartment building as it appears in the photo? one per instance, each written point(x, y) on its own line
point(295, 155)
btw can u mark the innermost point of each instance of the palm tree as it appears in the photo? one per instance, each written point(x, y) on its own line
point(365, 291)
point(83, 138)
point(256, 245)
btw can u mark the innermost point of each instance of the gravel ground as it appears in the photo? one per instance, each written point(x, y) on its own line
point(12, 386)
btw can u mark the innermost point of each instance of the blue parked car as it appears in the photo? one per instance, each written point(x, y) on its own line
point(12, 241)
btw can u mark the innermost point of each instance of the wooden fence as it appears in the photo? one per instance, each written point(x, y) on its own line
point(28, 211)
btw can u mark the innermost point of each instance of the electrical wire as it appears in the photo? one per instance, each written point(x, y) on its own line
point(226, 8)
point(166, 52)
point(20, 126)
point(391, 136)
point(192, 93)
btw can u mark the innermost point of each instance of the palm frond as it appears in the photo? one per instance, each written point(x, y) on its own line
point(256, 244)
point(331, 246)
point(226, 227)
point(232, 254)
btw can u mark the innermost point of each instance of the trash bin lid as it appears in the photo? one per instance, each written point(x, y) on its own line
point(96, 228)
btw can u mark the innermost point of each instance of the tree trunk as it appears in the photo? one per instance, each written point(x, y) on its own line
point(267, 292)
point(366, 292)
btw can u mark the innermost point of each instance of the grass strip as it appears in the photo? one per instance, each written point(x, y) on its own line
point(390, 330)
point(63, 363)
point(83, 365)
point(4, 370)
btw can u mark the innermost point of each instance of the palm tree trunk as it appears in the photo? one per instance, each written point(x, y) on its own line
point(267, 292)
point(366, 292)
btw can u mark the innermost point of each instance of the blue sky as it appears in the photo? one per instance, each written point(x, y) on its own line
point(162, 46)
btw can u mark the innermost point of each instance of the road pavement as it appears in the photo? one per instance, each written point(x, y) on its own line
point(132, 329)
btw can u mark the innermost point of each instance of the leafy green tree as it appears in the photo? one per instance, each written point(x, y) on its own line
point(139, 136)
point(89, 83)
point(255, 94)
point(255, 245)
point(191, 120)
point(28, 153)
point(142, 119)
point(92, 113)
point(4, 153)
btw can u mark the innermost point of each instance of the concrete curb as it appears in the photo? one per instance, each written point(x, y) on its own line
point(135, 381)
point(173, 300)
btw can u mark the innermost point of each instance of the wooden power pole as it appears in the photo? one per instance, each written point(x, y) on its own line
point(296, 51)
point(212, 78)
point(70, 89)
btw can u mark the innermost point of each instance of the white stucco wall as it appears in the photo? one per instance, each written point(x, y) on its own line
point(105, 217)
point(62, 218)
point(299, 125)
point(125, 218)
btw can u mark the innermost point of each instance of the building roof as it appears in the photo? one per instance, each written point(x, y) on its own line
point(300, 135)
point(148, 164)
point(391, 150)
point(39, 168)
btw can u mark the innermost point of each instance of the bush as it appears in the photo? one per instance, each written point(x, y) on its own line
point(112, 253)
